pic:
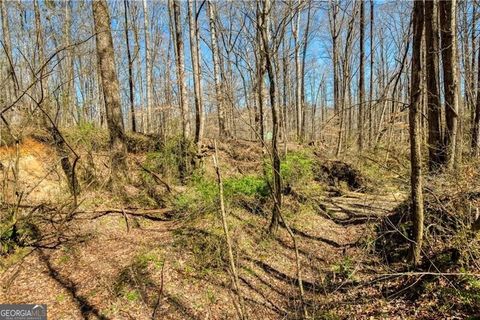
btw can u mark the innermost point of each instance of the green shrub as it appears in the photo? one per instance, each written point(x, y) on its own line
point(247, 186)
point(171, 160)
point(6, 139)
point(139, 142)
point(201, 196)
point(11, 238)
point(88, 135)
point(296, 168)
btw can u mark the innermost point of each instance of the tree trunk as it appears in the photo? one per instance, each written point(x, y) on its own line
point(13, 88)
point(69, 96)
point(148, 68)
point(304, 58)
point(414, 129)
point(298, 75)
point(361, 82)
point(435, 145)
point(195, 56)
point(111, 90)
point(473, 75)
point(336, 88)
point(284, 111)
point(338, 112)
point(277, 179)
point(476, 120)
point(130, 69)
point(182, 86)
point(372, 53)
point(223, 132)
point(449, 60)
point(260, 67)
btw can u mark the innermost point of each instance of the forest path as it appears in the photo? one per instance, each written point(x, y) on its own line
point(76, 272)
point(333, 245)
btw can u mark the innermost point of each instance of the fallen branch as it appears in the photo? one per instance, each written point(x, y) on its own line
point(160, 293)
point(155, 176)
point(146, 214)
point(419, 273)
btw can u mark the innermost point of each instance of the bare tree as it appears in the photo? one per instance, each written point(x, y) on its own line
point(7, 44)
point(111, 90)
point(335, 33)
point(195, 56)
point(449, 59)
point(415, 139)
point(223, 131)
point(263, 10)
point(372, 53)
point(475, 140)
point(260, 67)
point(131, 96)
point(43, 102)
point(298, 73)
point(476, 121)
point(180, 57)
point(304, 58)
point(69, 96)
point(361, 81)
point(435, 145)
point(148, 68)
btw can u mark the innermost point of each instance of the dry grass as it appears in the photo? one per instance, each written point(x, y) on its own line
point(172, 265)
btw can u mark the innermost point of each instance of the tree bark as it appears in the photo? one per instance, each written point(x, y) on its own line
point(361, 81)
point(449, 60)
point(8, 48)
point(277, 179)
point(336, 87)
point(148, 68)
point(304, 58)
point(182, 86)
point(435, 145)
point(372, 53)
point(476, 120)
point(260, 68)
point(298, 74)
point(223, 132)
point(414, 131)
point(70, 107)
point(131, 96)
point(111, 90)
point(195, 56)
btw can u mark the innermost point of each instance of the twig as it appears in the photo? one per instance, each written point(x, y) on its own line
point(136, 213)
point(126, 220)
point(419, 273)
point(233, 269)
point(155, 176)
point(160, 293)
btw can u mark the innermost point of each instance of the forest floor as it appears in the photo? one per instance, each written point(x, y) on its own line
point(113, 260)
